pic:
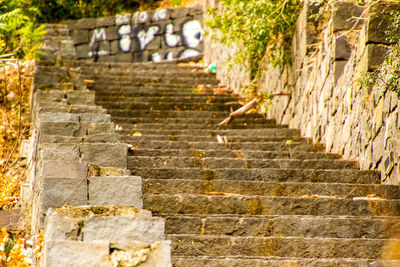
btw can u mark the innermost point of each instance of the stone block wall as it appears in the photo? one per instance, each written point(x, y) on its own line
point(327, 103)
point(163, 34)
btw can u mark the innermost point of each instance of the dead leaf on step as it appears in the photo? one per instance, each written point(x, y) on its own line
point(136, 134)
point(134, 148)
point(221, 194)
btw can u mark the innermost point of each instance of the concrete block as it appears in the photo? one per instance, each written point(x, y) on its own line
point(60, 191)
point(59, 152)
point(65, 169)
point(80, 98)
point(128, 228)
point(58, 117)
point(147, 255)
point(107, 155)
point(76, 253)
point(116, 190)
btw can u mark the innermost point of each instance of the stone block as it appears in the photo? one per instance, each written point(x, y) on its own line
point(342, 48)
point(128, 228)
point(76, 253)
point(196, 10)
point(123, 19)
point(52, 96)
point(377, 24)
point(60, 191)
point(102, 138)
point(179, 12)
point(80, 98)
point(81, 36)
point(338, 67)
point(25, 147)
point(65, 169)
point(342, 15)
point(105, 22)
point(125, 57)
point(114, 47)
point(88, 23)
point(72, 129)
point(66, 86)
point(60, 227)
point(375, 55)
point(100, 128)
point(93, 117)
point(116, 190)
point(107, 58)
point(82, 51)
point(59, 152)
point(148, 255)
point(161, 15)
point(107, 155)
point(112, 33)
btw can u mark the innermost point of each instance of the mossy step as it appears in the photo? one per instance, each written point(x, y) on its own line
point(268, 205)
point(263, 146)
point(241, 261)
point(284, 226)
point(170, 106)
point(182, 162)
point(269, 175)
point(227, 153)
point(262, 188)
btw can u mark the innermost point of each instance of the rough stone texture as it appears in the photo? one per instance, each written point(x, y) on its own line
point(60, 152)
point(128, 229)
point(65, 169)
point(107, 155)
point(111, 190)
point(327, 104)
point(76, 253)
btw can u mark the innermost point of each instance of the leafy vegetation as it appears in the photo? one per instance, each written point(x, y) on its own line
point(260, 28)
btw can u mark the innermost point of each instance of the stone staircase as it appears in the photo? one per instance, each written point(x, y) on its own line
point(250, 200)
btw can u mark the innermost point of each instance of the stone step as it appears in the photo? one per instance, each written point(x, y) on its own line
point(196, 245)
point(179, 114)
point(284, 226)
point(269, 175)
point(240, 261)
point(268, 205)
point(262, 188)
point(153, 92)
point(201, 121)
point(208, 99)
point(247, 135)
point(182, 79)
point(183, 162)
point(140, 87)
point(226, 153)
point(169, 106)
point(263, 146)
point(132, 73)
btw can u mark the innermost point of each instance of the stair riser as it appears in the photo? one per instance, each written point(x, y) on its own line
point(196, 121)
point(251, 188)
point(169, 106)
point(284, 226)
point(262, 205)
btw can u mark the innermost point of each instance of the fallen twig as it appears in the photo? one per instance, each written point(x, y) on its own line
point(239, 112)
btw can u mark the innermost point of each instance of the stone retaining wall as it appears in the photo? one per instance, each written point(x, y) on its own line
point(327, 103)
point(163, 34)
point(79, 190)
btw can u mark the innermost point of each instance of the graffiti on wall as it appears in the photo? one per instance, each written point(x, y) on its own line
point(152, 34)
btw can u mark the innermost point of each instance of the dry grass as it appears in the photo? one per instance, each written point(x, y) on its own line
point(14, 102)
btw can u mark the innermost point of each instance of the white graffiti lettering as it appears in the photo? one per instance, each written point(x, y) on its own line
point(169, 56)
point(98, 35)
point(140, 17)
point(156, 57)
point(145, 37)
point(192, 33)
point(122, 19)
point(171, 39)
point(125, 42)
point(189, 53)
point(160, 14)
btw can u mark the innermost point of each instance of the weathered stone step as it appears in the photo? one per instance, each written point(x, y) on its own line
point(154, 92)
point(285, 225)
point(132, 88)
point(268, 205)
point(201, 121)
point(247, 134)
point(208, 99)
point(240, 261)
point(173, 114)
point(160, 126)
point(182, 79)
point(196, 245)
point(227, 153)
point(169, 106)
point(269, 175)
point(153, 73)
point(266, 146)
point(182, 162)
point(262, 188)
